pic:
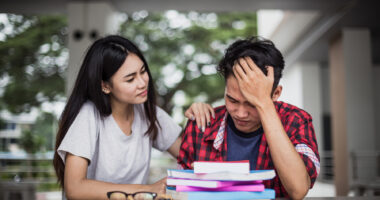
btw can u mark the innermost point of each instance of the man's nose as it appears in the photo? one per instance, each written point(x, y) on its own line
point(242, 112)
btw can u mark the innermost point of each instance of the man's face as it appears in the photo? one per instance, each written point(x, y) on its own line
point(244, 115)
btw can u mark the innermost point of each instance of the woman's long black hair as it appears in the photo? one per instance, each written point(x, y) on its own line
point(103, 59)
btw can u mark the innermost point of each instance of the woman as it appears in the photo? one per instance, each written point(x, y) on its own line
point(110, 124)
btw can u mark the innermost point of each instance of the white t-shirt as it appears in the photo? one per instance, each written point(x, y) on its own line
point(115, 157)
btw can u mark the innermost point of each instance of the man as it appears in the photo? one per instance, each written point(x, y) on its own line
point(253, 125)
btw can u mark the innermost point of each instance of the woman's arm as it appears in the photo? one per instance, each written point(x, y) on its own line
point(77, 186)
point(174, 149)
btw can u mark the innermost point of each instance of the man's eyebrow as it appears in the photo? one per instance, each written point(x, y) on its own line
point(228, 96)
point(133, 73)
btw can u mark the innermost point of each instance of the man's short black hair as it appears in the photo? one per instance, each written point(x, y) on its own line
point(262, 52)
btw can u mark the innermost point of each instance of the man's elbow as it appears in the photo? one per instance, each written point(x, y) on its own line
point(299, 192)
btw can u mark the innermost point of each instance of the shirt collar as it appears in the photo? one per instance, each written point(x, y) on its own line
point(218, 136)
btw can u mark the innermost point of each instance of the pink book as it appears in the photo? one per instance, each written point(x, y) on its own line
point(207, 183)
point(248, 188)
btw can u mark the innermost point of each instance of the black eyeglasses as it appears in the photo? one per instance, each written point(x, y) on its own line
point(118, 195)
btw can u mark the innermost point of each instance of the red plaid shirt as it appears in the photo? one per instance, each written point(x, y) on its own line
point(199, 146)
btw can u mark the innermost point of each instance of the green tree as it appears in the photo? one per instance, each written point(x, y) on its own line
point(33, 60)
point(31, 142)
point(183, 50)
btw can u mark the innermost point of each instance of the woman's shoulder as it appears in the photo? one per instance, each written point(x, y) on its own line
point(89, 109)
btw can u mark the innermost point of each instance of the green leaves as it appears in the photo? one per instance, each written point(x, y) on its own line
point(29, 58)
point(191, 42)
point(182, 49)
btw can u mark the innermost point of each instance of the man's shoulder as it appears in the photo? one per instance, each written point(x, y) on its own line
point(211, 131)
point(220, 111)
point(286, 110)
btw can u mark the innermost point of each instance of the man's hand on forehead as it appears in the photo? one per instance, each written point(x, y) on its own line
point(253, 83)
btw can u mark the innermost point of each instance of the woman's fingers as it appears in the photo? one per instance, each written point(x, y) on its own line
point(198, 116)
point(189, 114)
point(211, 110)
point(201, 113)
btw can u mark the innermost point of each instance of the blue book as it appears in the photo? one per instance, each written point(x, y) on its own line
point(266, 194)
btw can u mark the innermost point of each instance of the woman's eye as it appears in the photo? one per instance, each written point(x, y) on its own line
point(130, 80)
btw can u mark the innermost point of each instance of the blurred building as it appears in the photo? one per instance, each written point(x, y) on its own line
point(12, 127)
point(332, 53)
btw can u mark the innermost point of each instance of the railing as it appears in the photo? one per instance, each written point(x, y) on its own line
point(21, 175)
point(365, 172)
point(327, 166)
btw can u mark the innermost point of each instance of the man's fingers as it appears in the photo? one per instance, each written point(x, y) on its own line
point(252, 65)
point(238, 71)
point(244, 66)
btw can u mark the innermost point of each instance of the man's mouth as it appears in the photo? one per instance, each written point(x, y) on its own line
point(241, 122)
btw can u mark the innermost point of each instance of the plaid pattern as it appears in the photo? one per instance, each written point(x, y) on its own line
point(211, 146)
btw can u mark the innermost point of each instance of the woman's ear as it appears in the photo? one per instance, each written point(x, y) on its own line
point(106, 89)
point(277, 93)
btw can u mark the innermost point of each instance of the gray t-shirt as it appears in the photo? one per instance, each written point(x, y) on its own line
point(115, 157)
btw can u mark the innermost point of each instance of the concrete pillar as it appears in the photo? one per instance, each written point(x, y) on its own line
point(376, 78)
point(87, 21)
point(352, 102)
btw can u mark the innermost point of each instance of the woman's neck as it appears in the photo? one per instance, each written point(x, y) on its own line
point(122, 111)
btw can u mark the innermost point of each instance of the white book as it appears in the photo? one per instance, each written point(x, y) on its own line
point(253, 175)
point(241, 167)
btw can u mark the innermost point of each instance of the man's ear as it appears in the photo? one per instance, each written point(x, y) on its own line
point(106, 89)
point(277, 93)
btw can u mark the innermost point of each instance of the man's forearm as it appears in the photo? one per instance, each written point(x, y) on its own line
point(289, 165)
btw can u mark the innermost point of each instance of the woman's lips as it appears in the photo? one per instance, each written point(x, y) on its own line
point(143, 93)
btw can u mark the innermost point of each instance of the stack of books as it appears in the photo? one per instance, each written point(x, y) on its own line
point(220, 180)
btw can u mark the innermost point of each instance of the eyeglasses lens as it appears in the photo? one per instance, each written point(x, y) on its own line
point(143, 196)
point(118, 196)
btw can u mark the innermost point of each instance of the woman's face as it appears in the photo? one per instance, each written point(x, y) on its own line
point(129, 85)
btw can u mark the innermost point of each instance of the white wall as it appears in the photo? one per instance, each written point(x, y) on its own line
point(292, 85)
point(302, 87)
